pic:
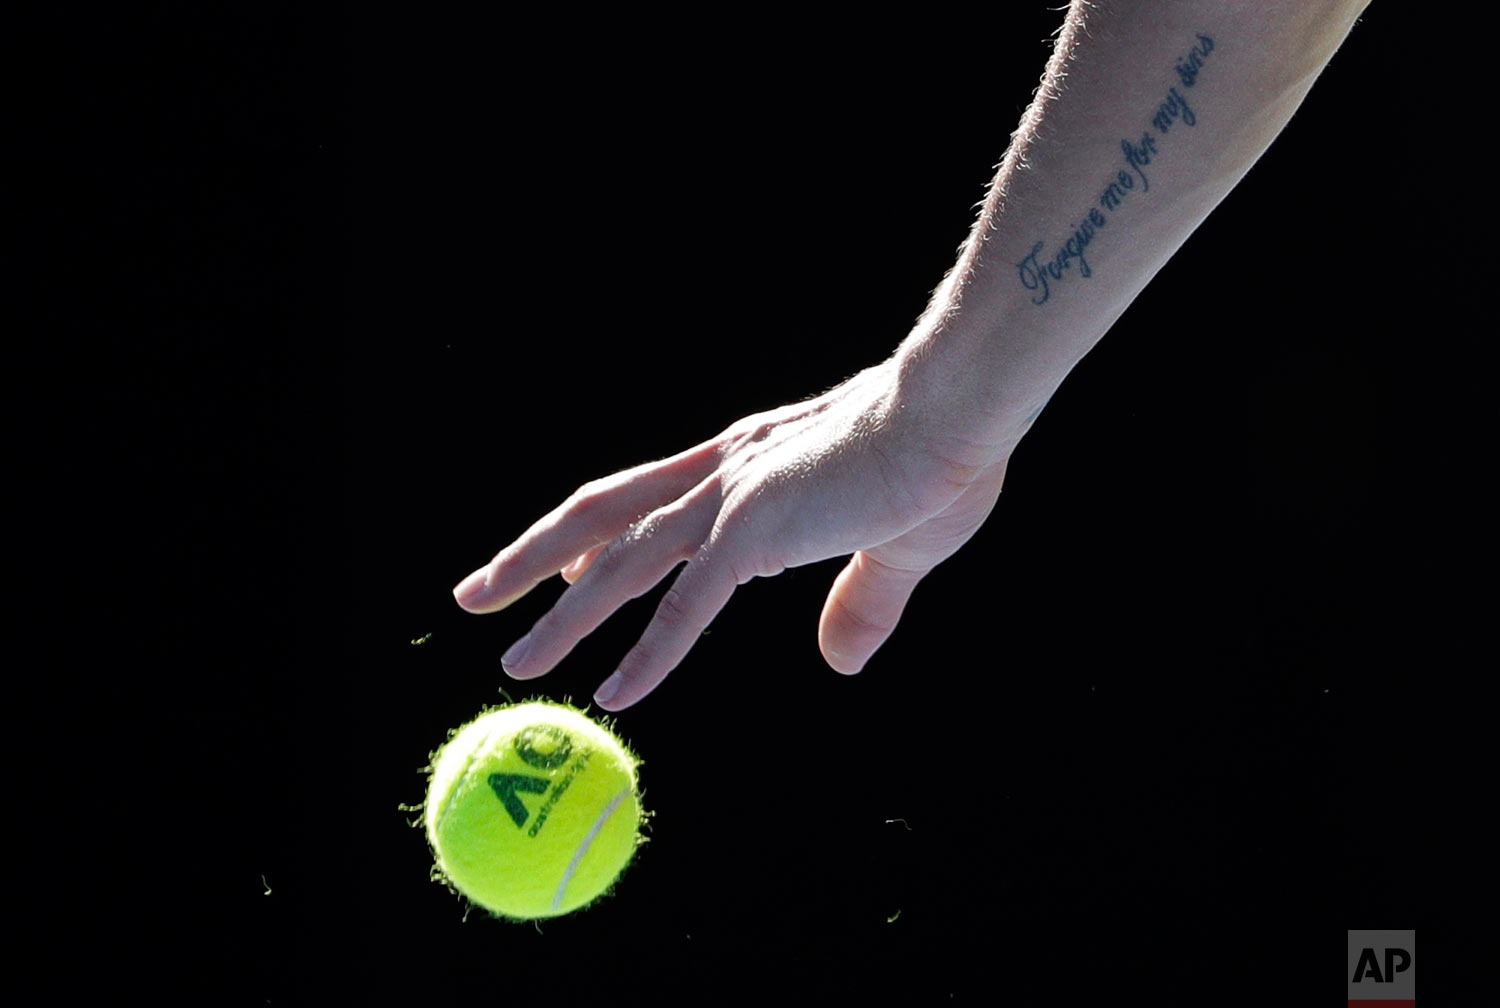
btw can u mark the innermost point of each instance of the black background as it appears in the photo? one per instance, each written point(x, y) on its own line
point(377, 288)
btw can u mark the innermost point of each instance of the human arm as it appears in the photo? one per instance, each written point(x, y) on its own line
point(1147, 116)
point(901, 464)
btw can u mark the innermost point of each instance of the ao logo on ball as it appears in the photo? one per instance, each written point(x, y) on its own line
point(544, 747)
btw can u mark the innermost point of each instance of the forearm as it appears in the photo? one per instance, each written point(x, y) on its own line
point(1148, 115)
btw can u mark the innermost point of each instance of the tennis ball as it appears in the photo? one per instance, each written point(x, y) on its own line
point(532, 810)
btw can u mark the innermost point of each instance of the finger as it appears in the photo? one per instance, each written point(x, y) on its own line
point(629, 566)
point(593, 515)
point(695, 598)
point(863, 607)
point(574, 570)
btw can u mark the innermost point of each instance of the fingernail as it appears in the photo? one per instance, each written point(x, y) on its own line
point(608, 689)
point(517, 653)
point(470, 587)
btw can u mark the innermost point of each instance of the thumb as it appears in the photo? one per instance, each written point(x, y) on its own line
point(863, 608)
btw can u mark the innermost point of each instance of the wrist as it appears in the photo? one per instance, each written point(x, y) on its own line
point(967, 388)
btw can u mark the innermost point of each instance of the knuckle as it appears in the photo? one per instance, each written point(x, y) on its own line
point(581, 502)
point(867, 621)
point(674, 606)
point(747, 430)
point(744, 568)
point(586, 501)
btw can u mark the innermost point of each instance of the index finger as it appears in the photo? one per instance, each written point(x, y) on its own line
point(593, 514)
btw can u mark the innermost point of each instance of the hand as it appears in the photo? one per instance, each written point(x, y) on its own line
point(852, 471)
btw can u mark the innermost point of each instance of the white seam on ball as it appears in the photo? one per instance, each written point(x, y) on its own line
point(585, 843)
point(463, 776)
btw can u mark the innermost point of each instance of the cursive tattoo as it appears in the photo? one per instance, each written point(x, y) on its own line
point(1040, 271)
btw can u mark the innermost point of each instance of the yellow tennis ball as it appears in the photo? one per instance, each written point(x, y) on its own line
point(532, 810)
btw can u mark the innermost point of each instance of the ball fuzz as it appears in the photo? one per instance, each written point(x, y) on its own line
point(532, 810)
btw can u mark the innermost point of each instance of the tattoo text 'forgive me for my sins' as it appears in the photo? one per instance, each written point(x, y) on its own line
point(1040, 273)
